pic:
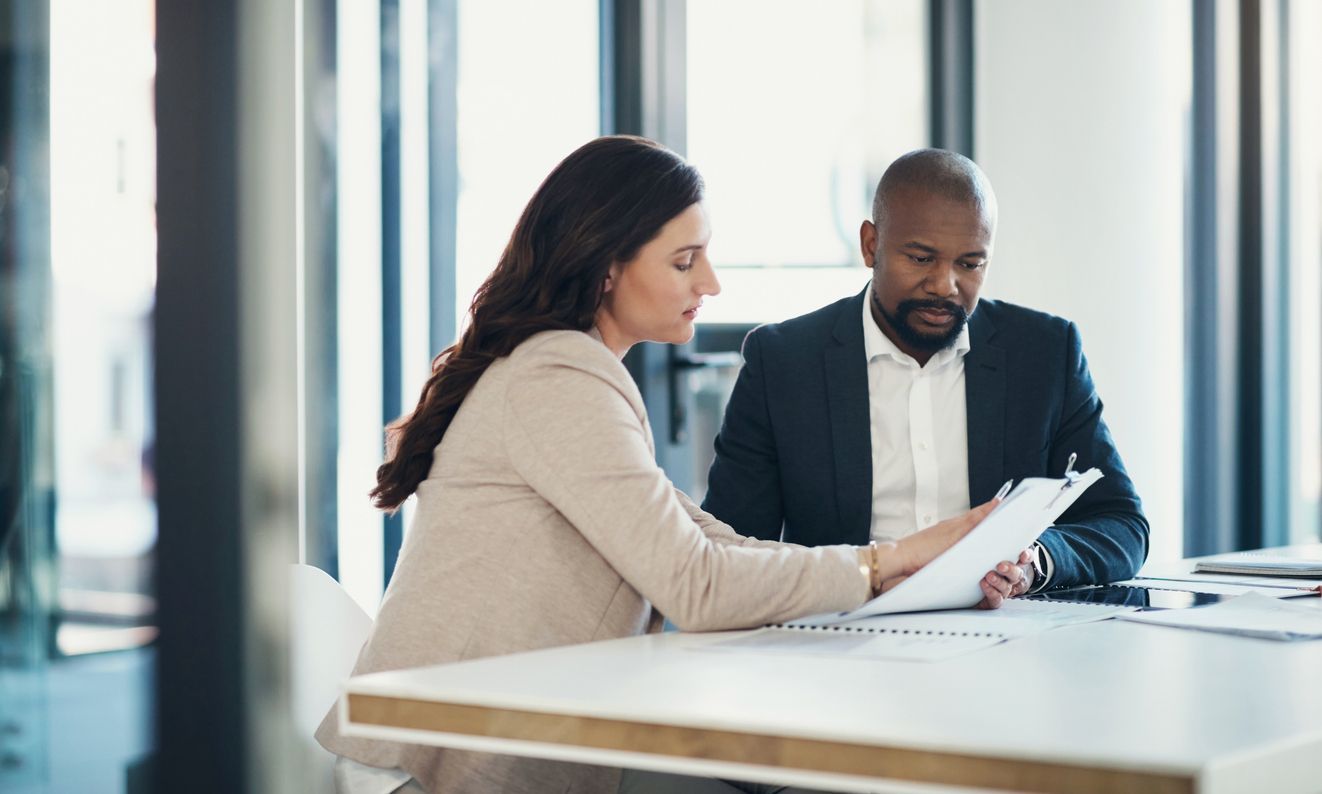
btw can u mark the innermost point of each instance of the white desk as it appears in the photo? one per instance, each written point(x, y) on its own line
point(1095, 708)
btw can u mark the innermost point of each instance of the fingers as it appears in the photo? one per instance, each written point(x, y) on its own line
point(892, 582)
point(1006, 581)
point(992, 597)
point(980, 512)
point(1017, 574)
point(964, 524)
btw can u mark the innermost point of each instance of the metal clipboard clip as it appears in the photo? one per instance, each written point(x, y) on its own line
point(1071, 478)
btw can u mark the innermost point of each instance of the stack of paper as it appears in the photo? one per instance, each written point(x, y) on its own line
point(1250, 615)
point(1257, 564)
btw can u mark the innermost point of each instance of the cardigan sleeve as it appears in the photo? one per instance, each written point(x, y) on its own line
point(575, 436)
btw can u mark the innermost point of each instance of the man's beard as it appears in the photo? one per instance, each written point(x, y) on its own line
point(931, 343)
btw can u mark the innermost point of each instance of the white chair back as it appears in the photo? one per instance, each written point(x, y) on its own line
point(327, 630)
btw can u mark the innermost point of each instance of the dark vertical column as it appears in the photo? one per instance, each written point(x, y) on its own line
point(1249, 529)
point(1277, 375)
point(443, 166)
point(391, 264)
point(27, 497)
point(200, 684)
point(951, 83)
point(1211, 282)
point(1237, 315)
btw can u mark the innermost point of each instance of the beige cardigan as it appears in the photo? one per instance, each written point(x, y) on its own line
point(545, 521)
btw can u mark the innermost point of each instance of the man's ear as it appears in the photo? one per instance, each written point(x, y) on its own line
point(867, 243)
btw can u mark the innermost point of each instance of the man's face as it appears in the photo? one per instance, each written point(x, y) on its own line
point(928, 263)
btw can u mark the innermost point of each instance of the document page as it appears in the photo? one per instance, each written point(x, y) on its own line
point(1249, 615)
point(951, 580)
point(918, 636)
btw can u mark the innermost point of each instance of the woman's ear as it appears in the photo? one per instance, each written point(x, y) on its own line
point(611, 275)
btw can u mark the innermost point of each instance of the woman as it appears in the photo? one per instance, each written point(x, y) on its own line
point(542, 518)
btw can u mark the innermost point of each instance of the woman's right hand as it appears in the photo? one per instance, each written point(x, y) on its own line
point(916, 550)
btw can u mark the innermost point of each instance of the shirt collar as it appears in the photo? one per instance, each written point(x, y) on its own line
point(876, 343)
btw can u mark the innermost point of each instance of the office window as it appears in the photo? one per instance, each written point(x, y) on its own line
point(103, 267)
point(1304, 258)
point(78, 524)
point(792, 147)
point(528, 94)
point(1081, 125)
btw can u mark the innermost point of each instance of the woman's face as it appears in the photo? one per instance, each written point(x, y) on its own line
point(656, 296)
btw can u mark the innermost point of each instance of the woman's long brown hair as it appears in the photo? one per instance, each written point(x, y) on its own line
point(599, 206)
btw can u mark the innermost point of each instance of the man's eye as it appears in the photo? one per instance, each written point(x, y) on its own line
point(922, 260)
point(972, 265)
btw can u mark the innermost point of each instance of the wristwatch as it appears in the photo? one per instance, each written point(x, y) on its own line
point(1038, 558)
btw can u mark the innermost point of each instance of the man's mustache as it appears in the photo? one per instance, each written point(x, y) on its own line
point(914, 304)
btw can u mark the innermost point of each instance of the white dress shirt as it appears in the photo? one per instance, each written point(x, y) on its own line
point(920, 449)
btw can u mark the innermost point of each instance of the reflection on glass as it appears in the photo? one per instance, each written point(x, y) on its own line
point(77, 507)
point(25, 377)
point(527, 96)
point(792, 147)
point(103, 266)
point(1305, 276)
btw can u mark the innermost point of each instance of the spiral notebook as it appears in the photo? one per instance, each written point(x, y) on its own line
point(918, 636)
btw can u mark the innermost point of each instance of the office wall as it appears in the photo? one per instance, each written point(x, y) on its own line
point(1080, 118)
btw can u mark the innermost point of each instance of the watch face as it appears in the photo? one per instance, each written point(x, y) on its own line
point(1039, 569)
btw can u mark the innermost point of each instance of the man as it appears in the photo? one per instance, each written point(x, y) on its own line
point(903, 405)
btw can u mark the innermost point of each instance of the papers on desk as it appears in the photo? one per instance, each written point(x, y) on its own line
point(926, 636)
point(1249, 615)
point(1259, 564)
point(951, 580)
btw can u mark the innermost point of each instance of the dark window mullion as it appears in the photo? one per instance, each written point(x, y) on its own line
point(391, 260)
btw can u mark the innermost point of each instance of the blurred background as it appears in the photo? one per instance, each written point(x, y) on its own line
point(233, 234)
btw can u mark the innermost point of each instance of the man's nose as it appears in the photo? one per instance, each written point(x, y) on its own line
point(942, 280)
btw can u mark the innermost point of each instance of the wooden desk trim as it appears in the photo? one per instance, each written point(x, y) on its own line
point(896, 763)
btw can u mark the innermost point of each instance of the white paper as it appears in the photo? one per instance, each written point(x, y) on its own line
point(918, 636)
point(951, 580)
point(1249, 615)
point(900, 647)
point(1017, 617)
point(1276, 590)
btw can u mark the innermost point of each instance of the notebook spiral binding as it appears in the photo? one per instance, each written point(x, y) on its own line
point(871, 630)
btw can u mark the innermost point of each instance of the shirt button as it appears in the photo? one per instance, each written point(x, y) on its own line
point(927, 521)
point(923, 446)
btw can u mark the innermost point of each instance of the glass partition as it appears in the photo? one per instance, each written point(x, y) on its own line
point(1303, 246)
point(792, 147)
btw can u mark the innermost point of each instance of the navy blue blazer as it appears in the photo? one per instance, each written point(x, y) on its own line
point(794, 454)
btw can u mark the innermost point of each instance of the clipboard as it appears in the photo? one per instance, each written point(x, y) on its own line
point(951, 580)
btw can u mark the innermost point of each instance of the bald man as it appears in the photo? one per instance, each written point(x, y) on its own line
point(903, 405)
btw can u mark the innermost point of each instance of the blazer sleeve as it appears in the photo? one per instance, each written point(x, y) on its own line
point(743, 484)
point(1103, 537)
point(574, 437)
point(718, 531)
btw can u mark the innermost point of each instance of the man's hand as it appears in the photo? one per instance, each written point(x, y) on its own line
point(1009, 579)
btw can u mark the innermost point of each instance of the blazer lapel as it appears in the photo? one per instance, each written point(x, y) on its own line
point(851, 436)
point(984, 392)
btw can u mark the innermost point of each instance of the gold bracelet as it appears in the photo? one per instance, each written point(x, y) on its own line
point(874, 572)
point(865, 567)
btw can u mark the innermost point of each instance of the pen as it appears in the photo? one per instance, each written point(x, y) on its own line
point(1005, 489)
